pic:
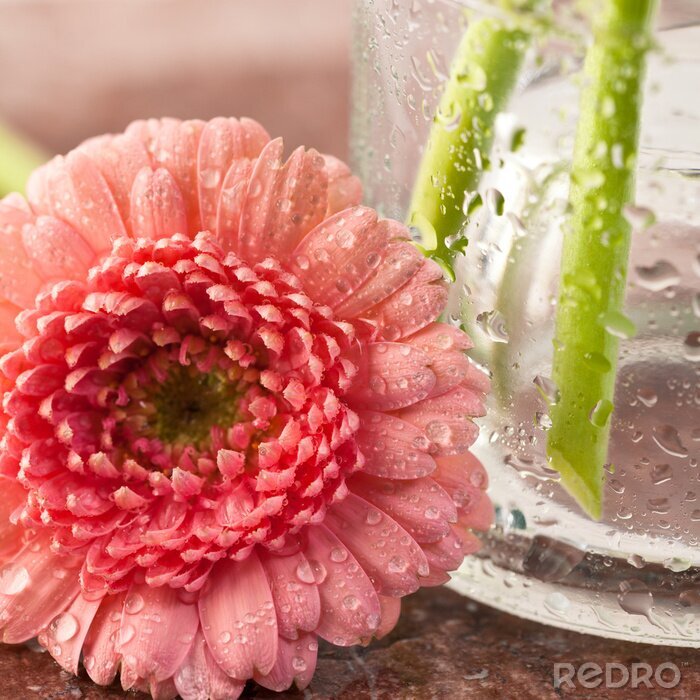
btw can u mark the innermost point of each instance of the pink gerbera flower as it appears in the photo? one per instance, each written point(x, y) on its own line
point(231, 421)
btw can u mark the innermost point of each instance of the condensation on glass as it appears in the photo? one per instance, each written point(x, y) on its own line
point(635, 574)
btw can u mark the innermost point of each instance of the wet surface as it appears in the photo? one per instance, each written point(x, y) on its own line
point(445, 646)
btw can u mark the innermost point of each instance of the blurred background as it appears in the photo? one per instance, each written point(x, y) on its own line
point(76, 68)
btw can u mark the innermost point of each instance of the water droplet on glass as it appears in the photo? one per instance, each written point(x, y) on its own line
point(659, 276)
point(601, 412)
point(691, 346)
point(618, 324)
point(551, 560)
point(639, 218)
point(647, 397)
point(668, 439)
point(493, 324)
point(495, 201)
point(547, 389)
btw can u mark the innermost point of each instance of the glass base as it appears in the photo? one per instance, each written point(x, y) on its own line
point(588, 599)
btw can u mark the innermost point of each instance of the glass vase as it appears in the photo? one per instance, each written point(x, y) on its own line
point(633, 573)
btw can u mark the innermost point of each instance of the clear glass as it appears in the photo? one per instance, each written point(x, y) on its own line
point(635, 574)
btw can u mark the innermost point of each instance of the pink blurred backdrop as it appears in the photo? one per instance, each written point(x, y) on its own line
point(74, 68)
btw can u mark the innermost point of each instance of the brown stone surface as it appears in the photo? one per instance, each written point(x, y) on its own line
point(445, 646)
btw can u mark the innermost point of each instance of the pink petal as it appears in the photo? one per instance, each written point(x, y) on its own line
point(231, 200)
point(238, 617)
point(413, 306)
point(9, 335)
point(342, 253)
point(480, 515)
point(421, 506)
point(157, 630)
point(297, 603)
point(387, 553)
point(391, 611)
point(200, 678)
point(119, 159)
point(296, 662)
point(463, 477)
point(400, 263)
point(161, 690)
point(445, 345)
point(100, 656)
point(393, 448)
point(350, 610)
point(283, 202)
point(11, 536)
point(157, 208)
point(344, 189)
point(446, 419)
point(45, 583)
point(223, 141)
point(174, 145)
point(57, 251)
point(65, 635)
point(73, 189)
point(448, 553)
point(392, 376)
point(19, 281)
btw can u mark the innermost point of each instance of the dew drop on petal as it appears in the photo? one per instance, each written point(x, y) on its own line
point(14, 578)
point(134, 604)
point(64, 627)
point(338, 554)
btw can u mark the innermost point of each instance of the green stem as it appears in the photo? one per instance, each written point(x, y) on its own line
point(18, 158)
point(596, 247)
point(484, 71)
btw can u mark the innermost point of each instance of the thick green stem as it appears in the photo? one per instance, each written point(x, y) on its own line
point(596, 246)
point(484, 71)
point(17, 160)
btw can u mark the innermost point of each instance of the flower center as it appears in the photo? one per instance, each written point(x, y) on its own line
point(180, 396)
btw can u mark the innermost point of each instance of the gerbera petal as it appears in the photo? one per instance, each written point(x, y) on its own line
point(157, 207)
point(231, 200)
point(446, 419)
point(297, 603)
point(342, 253)
point(73, 189)
point(64, 637)
point(238, 618)
point(173, 144)
point(100, 655)
point(19, 281)
point(119, 159)
point(344, 188)
point(399, 264)
point(157, 630)
point(200, 678)
point(387, 553)
point(421, 506)
point(295, 663)
point(392, 376)
point(393, 448)
point(350, 610)
point(223, 141)
point(40, 585)
point(391, 610)
point(11, 536)
point(413, 306)
point(57, 251)
point(283, 202)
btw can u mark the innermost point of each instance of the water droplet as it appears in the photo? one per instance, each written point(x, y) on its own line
point(601, 412)
point(319, 571)
point(661, 473)
point(14, 578)
point(557, 602)
point(64, 627)
point(493, 324)
point(647, 397)
point(618, 324)
point(345, 238)
point(351, 602)
point(225, 637)
point(635, 599)
point(134, 604)
point(126, 633)
point(397, 565)
point(551, 560)
point(547, 389)
point(304, 572)
point(659, 276)
point(495, 201)
point(298, 664)
point(339, 555)
point(691, 346)
point(210, 178)
point(668, 439)
point(639, 218)
point(373, 517)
